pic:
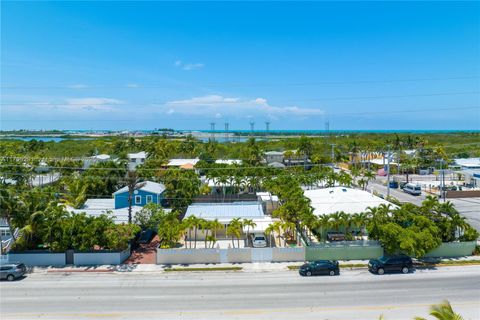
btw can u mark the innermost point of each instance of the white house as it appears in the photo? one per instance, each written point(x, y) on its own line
point(95, 159)
point(330, 200)
point(273, 156)
point(183, 163)
point(136, 159)
point(226, 212)
point(468, 163)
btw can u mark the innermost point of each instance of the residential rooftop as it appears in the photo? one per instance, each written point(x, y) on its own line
point(336, 199)
point(226, 212)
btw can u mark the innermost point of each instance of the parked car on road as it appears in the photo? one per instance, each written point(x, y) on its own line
point(259, 240)
point(393, 184)
point(413, 189)
point(319, 267)
point(400, 263)
point(12, 271)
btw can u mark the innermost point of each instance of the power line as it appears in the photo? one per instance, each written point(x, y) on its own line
point(153, 103)
point(416, 110)
point(149, 86)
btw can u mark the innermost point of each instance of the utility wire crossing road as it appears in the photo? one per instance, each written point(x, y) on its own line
point(356, 294)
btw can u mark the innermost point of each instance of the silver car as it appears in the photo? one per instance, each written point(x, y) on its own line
point(12, 271)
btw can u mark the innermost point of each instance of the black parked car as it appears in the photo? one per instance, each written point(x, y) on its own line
point(401, 263)
point(320, 267)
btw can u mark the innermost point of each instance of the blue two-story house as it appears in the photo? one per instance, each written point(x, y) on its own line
point(148, 193)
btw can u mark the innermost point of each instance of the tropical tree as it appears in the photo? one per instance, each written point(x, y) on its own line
point(249, 223)
point(234, 230)
point(443, 311)
point(133, 183)
point(274, 228)
point(76, 192)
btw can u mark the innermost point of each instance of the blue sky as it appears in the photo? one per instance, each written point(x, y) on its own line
point(145, 65)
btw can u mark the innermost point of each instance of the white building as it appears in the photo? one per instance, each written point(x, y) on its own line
point(273, 156)
point(95, 159)
point(136, 159)
point(468, 163)
point(337, 199)
point(226, 212)
point(183, 163)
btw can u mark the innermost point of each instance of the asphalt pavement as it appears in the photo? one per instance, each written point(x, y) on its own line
point(467, 207)
point(355, 294)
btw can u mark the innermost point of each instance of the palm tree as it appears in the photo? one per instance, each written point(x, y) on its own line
point(234, 230)
point(274, 227)
point(249, 224)
point(133, 183)
point(214, 226)
point(443, 311)
point(11, 207)
point(188, 224)
point(76, 195)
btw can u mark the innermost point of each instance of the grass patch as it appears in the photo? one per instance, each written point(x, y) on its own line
point(205, 269)
point(451, 263)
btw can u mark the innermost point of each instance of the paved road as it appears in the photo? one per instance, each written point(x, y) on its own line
point(356, 294)
point(396, 193)
point(467, 207)
point(470, 208)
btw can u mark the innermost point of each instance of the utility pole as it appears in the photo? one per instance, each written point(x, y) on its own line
point(442, 184)
point(388, 172)
point(212, 130)
point(333, 153)
point(226, 131)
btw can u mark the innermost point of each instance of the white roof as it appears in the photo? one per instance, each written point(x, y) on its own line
point(261, 225)
point(380, 162)
point(228, 161)
point(101, 157)
point(276, 165)
point(471, 163)
point(99, 204)
point(182, 162)
point(225, 212)
point(149, 186)
point(274, 153)
point(331, 200)
point(141, 154)
point(97, 207)
point(267, 196)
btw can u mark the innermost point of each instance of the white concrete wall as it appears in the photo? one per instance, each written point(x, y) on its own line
point(99, 258)
point(38, 258)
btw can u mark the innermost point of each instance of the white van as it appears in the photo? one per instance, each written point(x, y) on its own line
point(259, 240)
point(413, 189)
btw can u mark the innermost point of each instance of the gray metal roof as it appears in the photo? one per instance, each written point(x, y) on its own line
point(149, 186)
point(226, 211)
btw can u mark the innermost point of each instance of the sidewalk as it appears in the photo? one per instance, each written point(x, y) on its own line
point(245, 267)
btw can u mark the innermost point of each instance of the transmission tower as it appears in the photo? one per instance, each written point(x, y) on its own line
point(252, 127)
point(212, 130)
point(226, 131)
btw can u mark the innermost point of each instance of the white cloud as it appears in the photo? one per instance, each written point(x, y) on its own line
point(91, 103)
point(188, 66)
point(218, 106)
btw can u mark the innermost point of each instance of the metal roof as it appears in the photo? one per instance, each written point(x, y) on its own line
point(149, 186)
point(331, 200)
point(182, 162)
point(226, 211)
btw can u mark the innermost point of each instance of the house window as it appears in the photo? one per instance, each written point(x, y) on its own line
point(149, 198)
point(133, 160)
point(138, 199)
point(4, 232)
